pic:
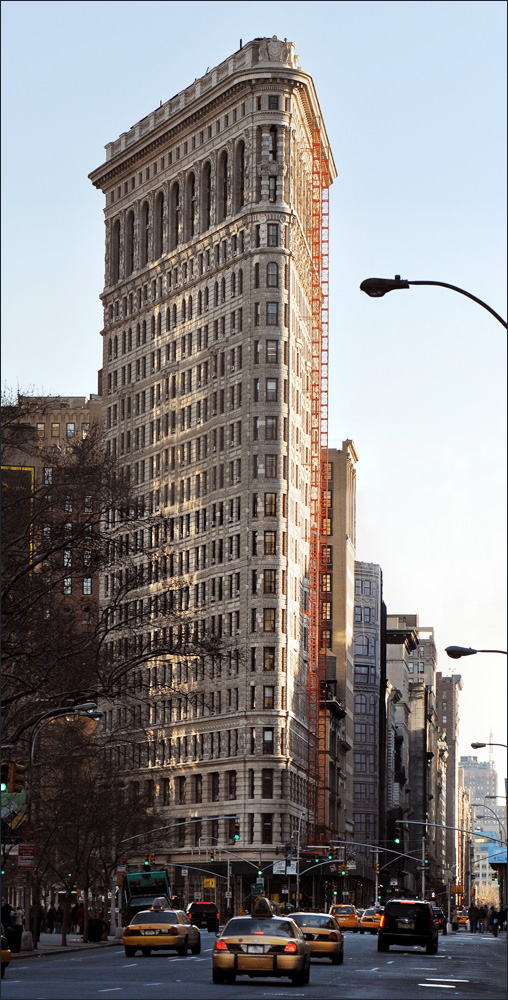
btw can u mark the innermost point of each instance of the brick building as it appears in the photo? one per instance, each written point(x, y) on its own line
point(206, 404)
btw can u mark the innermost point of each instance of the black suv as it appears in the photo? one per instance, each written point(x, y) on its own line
point(407, 922)
point(204, 915)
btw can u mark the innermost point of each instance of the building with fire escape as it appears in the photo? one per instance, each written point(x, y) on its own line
point(214, 397)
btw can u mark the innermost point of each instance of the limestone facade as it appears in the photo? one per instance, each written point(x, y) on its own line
point(206, 404)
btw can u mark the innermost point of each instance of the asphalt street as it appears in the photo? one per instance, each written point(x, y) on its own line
point(467, 966)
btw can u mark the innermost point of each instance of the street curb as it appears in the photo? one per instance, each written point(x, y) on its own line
point(64, 949)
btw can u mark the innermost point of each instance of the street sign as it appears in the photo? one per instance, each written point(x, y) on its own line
point(26, 857)
point(185, 872)
point(394, 881)
point(257, 887)
point(457, 888)
point(279, 867)
point(228, 894)
point(209, 883)
point(285, 891)
point(291, 868)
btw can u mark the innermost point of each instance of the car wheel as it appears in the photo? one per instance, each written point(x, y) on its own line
point(300, 978)
point(230, 977)
point(146, 952)
point(217, 976)
point(431, 949)
point(130, 952)
point(182, 950)
point(338, 959)
point(362, 932)
point(196, 949)
point(445, 931)
point(382, 946)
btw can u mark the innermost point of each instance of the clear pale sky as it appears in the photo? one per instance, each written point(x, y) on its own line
point(413, 96)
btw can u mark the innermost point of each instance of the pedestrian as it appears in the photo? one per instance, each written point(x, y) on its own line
point(6, 912)
point(58, 919)
point(80, 917)
point(51, 919)
point(494, 921)
point(74, 918)
point(472, 914)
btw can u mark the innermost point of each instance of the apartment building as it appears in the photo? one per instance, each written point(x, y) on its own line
point(206, 378)
point(479, 778)
point(448, 688)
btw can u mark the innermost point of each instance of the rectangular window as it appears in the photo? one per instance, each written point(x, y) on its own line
point(48, 476)
point(271, 390)
point(271, 429)
point(272, 351)
point(272, 188)
point(269, 581)
point(268, 743)
point(87, 585)
point(270, 466)
point(270, 504)
point(272, 234)
point(268, 619)
point(270, 543)
point(70, 429)
point(55, 430)
point(267, 828)
point(267, 783)
point(268, 657)
point(40, 430)
point(272, 313)
point(268, 696)
point(358, 613)
point(273, 102)
point(67, 586)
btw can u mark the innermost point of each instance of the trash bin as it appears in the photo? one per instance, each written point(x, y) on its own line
point(13, 934)
point(95, 929)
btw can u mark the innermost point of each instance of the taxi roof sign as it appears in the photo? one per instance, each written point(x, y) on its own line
point(262, 909)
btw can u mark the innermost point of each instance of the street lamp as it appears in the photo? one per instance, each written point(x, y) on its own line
point(457, 651)
point(376, 287)
point(478, 746)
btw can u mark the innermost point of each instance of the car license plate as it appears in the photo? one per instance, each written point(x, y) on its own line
point(255, 949)
point(406, 924)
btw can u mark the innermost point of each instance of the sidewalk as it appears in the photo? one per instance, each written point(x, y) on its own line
point(50, 944)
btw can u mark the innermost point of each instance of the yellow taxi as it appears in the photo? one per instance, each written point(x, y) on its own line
point(6, 954)
point(160, 929)
point(346, 916)
point(462, 918)
point(263, 944)
point(323, 935)
point(369, 920)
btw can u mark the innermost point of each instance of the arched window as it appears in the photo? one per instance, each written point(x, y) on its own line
point(223, 290)
point(144, 331)
point(184, 312)
point(124, 342)
point(189, 307)
point(190, 206)
point(200, 303)
point(222, 187)
point(207, 295)
point(159, 322)
point(138, 335)
point(239, 176)
point(216, 294)
point(272, 275)
point(129, 339)
point(116, 347)
point(129, 244)
point(174, 216)
point(240, 282)
point(145, 222)
point(159, 225)
point(115, 252)
point(360, 705)
point(110, 350)
point(233, 284)
point(168, 319)
point(206, 196)
point(174, 315)
point(152, 327)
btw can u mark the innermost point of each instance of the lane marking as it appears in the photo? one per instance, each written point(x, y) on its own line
point(447, 980)
point(112, 989)
point(435, 986)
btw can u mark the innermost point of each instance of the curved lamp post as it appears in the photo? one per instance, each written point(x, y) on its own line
point(457, 651)
point(376, 287)
point(479, 746)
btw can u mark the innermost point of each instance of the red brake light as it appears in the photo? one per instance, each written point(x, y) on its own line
point(259, 932)
point(331, 937)
point(221, 945)
point(382, 920)
point(291, 947)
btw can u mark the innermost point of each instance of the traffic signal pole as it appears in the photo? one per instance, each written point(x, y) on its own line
point(423, 867)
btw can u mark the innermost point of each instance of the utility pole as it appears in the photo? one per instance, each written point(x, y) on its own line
point(376, 853)
point(423, 867)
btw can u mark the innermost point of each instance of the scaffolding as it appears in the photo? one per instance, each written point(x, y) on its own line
point(318, 555)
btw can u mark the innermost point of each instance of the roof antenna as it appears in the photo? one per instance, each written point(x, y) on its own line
point(241, 44)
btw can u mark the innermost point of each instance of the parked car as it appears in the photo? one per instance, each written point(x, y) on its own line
point(323, 934)
point(462, 918)
point(407, 922)
point(346, 916)
point(159, 929)
point(369, 920)
point(204, 914)
point(263, 944)
point(441, 919)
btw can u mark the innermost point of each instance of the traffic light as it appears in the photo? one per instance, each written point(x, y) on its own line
point(334, 853)
point(426, 858)
point(377, 868)
point(16, 778)
point(316, 858)
point(346, 872)
point(343, 870)
point(237, 831)
point(495, 876)
point(6, 772)
point(151, 859)
point(260, 870)
point(330, 853)
point(397, 835)
point(146, 862)
point(212, 856)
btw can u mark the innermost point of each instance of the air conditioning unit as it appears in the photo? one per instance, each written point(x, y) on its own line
point(231, 556)
point(213, 413)
point(206, 309)
point(232, 368)
point(238, 593)
point(233, 332)
point(238, 631)
point(199, 384)
point(212, 598)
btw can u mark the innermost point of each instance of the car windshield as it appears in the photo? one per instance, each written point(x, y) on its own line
point(314, 920)
point(195, 907)
point(249, 925)
point(371, 913)
point(155, 917)
point(343, 909)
